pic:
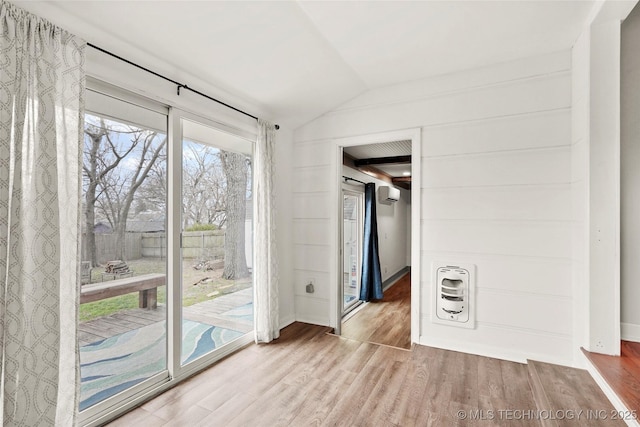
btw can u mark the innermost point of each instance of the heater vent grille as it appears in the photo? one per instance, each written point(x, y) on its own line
point(454, 295)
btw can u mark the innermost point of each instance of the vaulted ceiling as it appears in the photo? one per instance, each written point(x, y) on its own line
point(295, 60)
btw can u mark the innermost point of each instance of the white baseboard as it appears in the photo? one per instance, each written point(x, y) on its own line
point(287, 320)
point(395, 277)
point(491, 351)
point(630, 332)
point(608, 391)
point(320, 321)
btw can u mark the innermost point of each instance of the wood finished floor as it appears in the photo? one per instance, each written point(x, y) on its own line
point(386, 322)
point(565, 391)
point(621, 373)
point(310, 377)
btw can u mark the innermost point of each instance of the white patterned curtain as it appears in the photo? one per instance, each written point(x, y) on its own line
point(41, 114)
point(267, 323)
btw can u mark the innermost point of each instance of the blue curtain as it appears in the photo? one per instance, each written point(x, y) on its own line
point(371, 286)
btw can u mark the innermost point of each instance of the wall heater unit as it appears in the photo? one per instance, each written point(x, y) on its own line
point(454, 294)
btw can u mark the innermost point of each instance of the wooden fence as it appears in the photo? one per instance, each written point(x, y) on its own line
point(206, 245)
point(106, 247)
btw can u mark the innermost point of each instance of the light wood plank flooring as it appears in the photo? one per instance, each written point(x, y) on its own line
point(565, 391)
point(621, 373)
point(386, 322)
point(310, 377)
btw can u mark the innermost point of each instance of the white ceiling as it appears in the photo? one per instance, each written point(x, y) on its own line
point(385, 149)
point(293, 61)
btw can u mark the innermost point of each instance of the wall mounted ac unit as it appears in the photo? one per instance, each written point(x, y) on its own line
point(388, 195)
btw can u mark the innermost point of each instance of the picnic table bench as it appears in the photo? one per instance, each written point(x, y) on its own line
point(145, 284)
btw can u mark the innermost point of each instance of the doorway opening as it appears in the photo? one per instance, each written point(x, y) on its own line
point(389, 166)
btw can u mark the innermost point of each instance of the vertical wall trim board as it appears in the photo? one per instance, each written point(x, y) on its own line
point(604, 189)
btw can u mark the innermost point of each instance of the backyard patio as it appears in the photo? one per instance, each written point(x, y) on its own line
point(224, 311)
point(122, 344)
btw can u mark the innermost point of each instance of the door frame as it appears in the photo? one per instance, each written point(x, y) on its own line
point(415, 135)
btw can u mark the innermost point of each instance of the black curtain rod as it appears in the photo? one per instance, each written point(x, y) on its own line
point(346, 178)
point(178, 84)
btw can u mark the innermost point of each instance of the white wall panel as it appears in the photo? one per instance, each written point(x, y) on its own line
point(312, 310)
point(523, 238)
point(313, 154)
point(543, 166)
point(518, 310)
point(311, 205)
point(525, 202)
point(529, 95)
point(546, 129)
point(510, 343)
point(311, 231)
point(284, 149)
point(313, 179)
point(311, 257)
point(462, 81)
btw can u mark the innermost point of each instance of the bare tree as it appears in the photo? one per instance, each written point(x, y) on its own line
point(117, 160)
point(153, 192)
point(235, 168)
point(119, 188)
point(95, 168)
point(204, 186)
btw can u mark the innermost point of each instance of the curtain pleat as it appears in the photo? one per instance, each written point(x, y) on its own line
point(266, 315)
point(41, 114)
point(371, 286)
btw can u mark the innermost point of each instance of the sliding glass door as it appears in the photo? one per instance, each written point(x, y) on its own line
point(352, 214)
point(167, 247)
point(122, 316)
point(217, 250)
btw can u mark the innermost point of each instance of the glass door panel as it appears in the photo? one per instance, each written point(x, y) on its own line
point(122, 314)
point(352, 252)
point(217, 284)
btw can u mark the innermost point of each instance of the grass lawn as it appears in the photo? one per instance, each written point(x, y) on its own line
point(198, 286)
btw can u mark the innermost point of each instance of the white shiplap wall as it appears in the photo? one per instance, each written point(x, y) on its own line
point(496, 192)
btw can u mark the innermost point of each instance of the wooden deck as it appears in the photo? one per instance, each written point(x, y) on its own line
point(211, 312)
